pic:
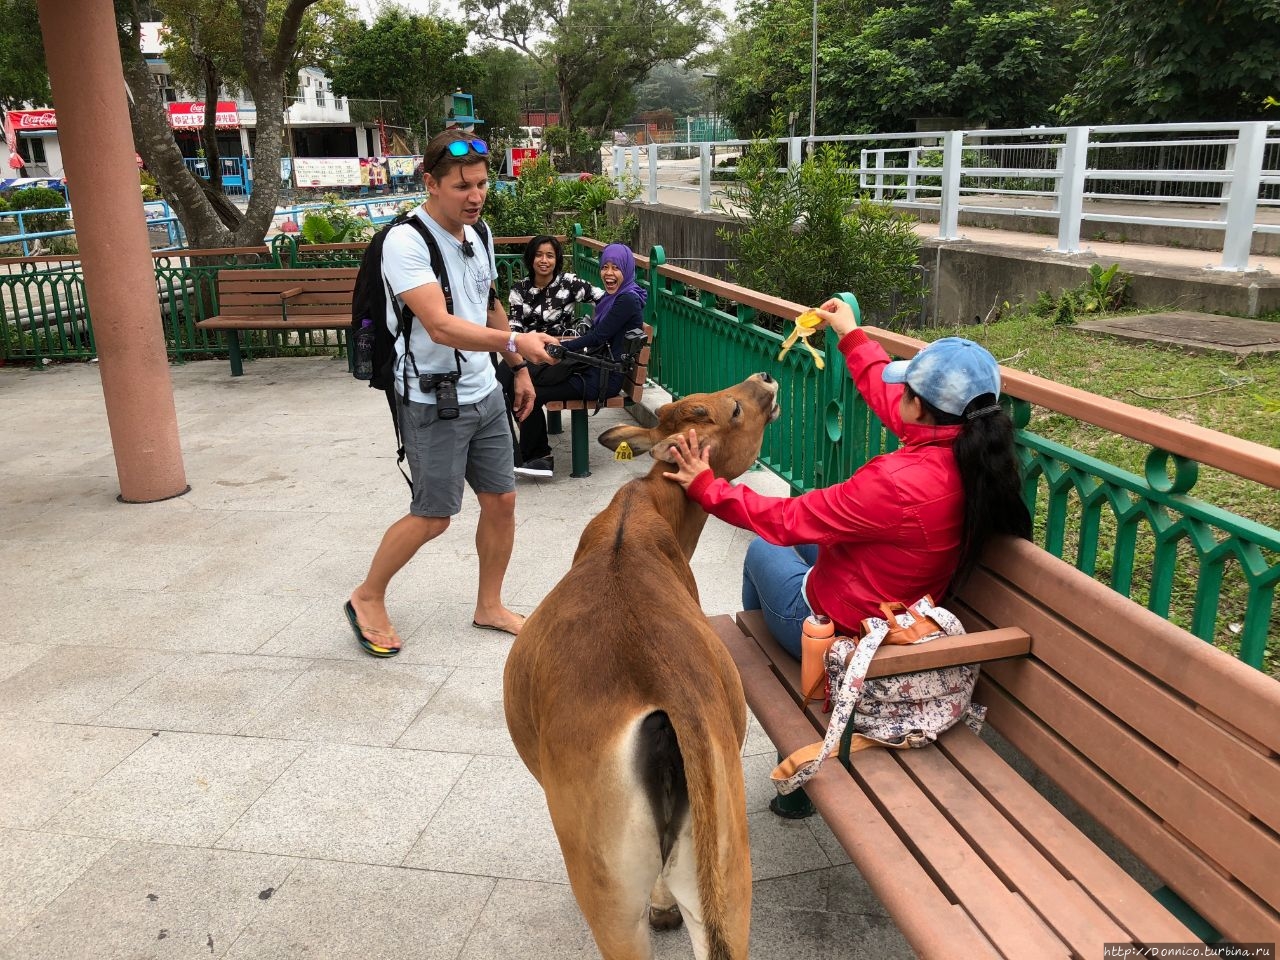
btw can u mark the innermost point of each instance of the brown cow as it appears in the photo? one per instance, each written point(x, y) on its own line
point(626, 707)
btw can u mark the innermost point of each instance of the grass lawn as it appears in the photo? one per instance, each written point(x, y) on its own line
point(1237, 396)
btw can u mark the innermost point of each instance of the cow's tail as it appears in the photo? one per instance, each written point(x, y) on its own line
point(686, 776)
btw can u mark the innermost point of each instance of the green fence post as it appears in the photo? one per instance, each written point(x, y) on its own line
point(580, 441)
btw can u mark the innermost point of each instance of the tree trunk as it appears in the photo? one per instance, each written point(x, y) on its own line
point(209, 130)
point(154, 140)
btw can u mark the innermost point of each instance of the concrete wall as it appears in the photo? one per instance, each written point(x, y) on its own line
point(966, 279)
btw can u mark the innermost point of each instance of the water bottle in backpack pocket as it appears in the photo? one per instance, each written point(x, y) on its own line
point(364, 351)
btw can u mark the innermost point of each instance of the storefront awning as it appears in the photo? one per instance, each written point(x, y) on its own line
point(33, 121)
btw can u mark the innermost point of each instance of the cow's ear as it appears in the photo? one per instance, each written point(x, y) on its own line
point(638, 438)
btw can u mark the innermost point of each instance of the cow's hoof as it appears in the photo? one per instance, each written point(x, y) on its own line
point(665, 918)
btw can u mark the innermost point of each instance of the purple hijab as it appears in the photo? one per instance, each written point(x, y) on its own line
point(620, 255)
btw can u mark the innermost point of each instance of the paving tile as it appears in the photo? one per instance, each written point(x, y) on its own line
point(528, 920)
point(494, 823)
point(464, 716)
point(819, 935)
point(833, 890)
point(206, 693)
point(447, 638)
point(370, 702)
point(322, 631)
point(153, 902)
point(344, 911)
point(179, 788)
point(151, 620)
point(18, 656)
point(757, 741)
point(35, 868)
point(760, 789)
point(827, 840)
point(76, 684)
point(782, 847)
point(339, 802)
point(43, 766)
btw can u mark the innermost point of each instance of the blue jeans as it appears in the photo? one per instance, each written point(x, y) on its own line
point(772, 581)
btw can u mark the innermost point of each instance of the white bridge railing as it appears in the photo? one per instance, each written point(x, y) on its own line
point(1220, 177)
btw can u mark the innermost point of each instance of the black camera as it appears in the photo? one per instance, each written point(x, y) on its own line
point(445, 386)
point(634, 342)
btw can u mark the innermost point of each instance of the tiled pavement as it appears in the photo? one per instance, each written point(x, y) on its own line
point(196, 760)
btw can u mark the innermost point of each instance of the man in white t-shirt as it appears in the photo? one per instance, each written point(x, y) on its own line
point(450, 349)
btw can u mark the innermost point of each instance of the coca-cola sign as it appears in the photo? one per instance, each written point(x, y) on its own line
point(33, 119)
point(190, 116)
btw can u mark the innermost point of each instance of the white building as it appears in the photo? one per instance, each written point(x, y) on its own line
point(318, 123)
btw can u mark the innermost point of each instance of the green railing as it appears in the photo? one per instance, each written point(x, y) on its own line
point(46, 315)
point(1212, 571)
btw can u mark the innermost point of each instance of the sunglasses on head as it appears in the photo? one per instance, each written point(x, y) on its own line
point(460, 148)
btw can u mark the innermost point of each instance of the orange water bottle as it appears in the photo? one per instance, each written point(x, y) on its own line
point(815, 638)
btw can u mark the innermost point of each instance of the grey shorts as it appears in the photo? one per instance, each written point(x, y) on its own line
point(476, 447)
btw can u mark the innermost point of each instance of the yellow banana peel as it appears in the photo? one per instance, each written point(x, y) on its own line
point(805, 326)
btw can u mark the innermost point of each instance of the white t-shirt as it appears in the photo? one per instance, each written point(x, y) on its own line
point(406, 264)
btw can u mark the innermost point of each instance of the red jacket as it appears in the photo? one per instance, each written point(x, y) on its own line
point(890, 532)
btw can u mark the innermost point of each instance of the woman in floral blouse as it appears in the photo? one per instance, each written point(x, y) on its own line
point(544, 301)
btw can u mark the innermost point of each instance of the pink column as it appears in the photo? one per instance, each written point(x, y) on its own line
point(102, 174)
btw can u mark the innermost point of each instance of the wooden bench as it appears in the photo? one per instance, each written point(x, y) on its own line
point(632, 391)
point(315, 298)
point(1167, 743)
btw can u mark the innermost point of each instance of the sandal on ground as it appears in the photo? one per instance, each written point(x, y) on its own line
point(364, 633)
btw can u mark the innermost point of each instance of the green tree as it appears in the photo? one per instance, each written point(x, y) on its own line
point(1002, 63)
point(676, 87)
point(23, 76)
point(1183, 60)
point(406, 57)
point(597, 50)
point(271, 33)
point(883, 64)
point(509, 82)
point(806, 232)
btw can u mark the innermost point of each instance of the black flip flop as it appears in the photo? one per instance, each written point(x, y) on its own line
point(370, 647)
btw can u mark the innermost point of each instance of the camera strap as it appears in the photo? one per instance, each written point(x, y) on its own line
point(406, 328)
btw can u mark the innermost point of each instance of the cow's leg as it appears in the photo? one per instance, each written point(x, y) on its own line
point(612, 890)
point(681, 877)
point(664, 912)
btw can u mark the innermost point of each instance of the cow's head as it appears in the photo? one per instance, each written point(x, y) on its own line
point(732, 421)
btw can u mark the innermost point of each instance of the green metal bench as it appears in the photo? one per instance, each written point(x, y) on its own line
point(633, 390)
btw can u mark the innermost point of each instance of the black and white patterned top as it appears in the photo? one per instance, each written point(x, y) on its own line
point(550, 310)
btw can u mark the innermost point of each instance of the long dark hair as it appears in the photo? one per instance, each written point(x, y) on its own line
point(993, 504)
point(531, 250)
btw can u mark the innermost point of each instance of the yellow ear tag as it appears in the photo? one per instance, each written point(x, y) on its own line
point(806, 325)
point(623, 452)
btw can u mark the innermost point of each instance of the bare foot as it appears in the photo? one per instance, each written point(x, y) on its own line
point(502, 620)
point(374, 621)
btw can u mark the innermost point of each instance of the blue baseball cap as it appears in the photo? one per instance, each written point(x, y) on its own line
point(949, 373)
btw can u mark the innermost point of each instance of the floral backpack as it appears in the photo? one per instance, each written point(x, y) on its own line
point(901, 712)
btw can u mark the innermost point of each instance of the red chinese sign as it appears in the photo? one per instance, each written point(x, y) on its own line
point(190, 116)
point(517, 157)
point(33, 120)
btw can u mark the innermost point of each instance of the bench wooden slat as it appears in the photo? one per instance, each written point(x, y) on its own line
point(245, 292)
point(265, 274)
point(255, 323)
point(1168, 720)
point(943, 652)
point(1064, 906)
point(1240, 845)
point(267, 309)
point(900, 883)
point(1113, 889)
point(1225, 903)
point(1001, 915)
point(1243, 697)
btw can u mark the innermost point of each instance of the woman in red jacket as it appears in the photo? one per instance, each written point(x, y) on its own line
point(906, 523)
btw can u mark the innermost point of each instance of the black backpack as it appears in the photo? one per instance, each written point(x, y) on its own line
point(369, 299)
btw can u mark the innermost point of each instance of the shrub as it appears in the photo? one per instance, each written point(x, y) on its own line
point(40, 198)
point(808, 231)
point(150, 189)
point(538, 201)
point(335, 223)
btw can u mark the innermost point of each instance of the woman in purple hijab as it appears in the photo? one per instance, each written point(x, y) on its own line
point(619, 311)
